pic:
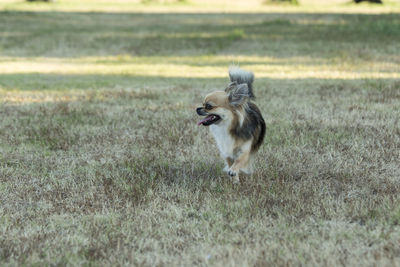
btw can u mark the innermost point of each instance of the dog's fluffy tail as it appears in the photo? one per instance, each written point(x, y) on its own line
point(240, 76)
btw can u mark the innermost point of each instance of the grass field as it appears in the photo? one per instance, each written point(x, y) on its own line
point(101, 161)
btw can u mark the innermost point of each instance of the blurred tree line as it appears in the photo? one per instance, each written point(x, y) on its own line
point(295, 2)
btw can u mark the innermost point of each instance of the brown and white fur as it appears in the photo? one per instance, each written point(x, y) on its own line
point(235, 122)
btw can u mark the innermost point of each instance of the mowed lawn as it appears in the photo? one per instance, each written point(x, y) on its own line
point(102, 163)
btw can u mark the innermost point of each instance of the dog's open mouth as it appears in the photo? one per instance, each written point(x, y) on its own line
point(210, 119)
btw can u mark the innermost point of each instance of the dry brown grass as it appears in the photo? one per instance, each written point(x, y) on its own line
point(101, 161)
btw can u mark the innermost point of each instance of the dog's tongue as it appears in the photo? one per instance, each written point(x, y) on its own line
point(205, 119)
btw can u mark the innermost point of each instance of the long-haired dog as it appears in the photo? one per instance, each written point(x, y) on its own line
point(235, 122)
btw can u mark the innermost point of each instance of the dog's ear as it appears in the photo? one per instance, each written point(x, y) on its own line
point(238, 94)
point(231, 87)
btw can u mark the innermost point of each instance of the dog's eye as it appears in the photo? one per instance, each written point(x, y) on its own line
point(208, 106)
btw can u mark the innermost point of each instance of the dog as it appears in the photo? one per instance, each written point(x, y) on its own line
point(235, 122)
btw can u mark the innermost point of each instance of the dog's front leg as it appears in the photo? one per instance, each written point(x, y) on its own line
point(241, 162)
point(228, 164)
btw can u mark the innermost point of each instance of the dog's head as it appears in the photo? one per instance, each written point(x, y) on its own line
point(220, 106)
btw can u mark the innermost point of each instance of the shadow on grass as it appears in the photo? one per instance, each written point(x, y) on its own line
point(74, 34)
point(65, 82)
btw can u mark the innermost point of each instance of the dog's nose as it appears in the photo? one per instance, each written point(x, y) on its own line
point(199, 110)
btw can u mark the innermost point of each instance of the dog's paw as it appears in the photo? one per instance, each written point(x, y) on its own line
point(226, 168)
point(235, 179)
point(231, 172)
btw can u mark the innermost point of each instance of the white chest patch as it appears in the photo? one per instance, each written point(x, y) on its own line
point(223, 139)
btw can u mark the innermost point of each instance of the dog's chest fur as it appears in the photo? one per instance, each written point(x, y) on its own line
point(224, 140)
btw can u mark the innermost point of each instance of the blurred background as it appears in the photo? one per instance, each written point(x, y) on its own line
point(109, 43)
